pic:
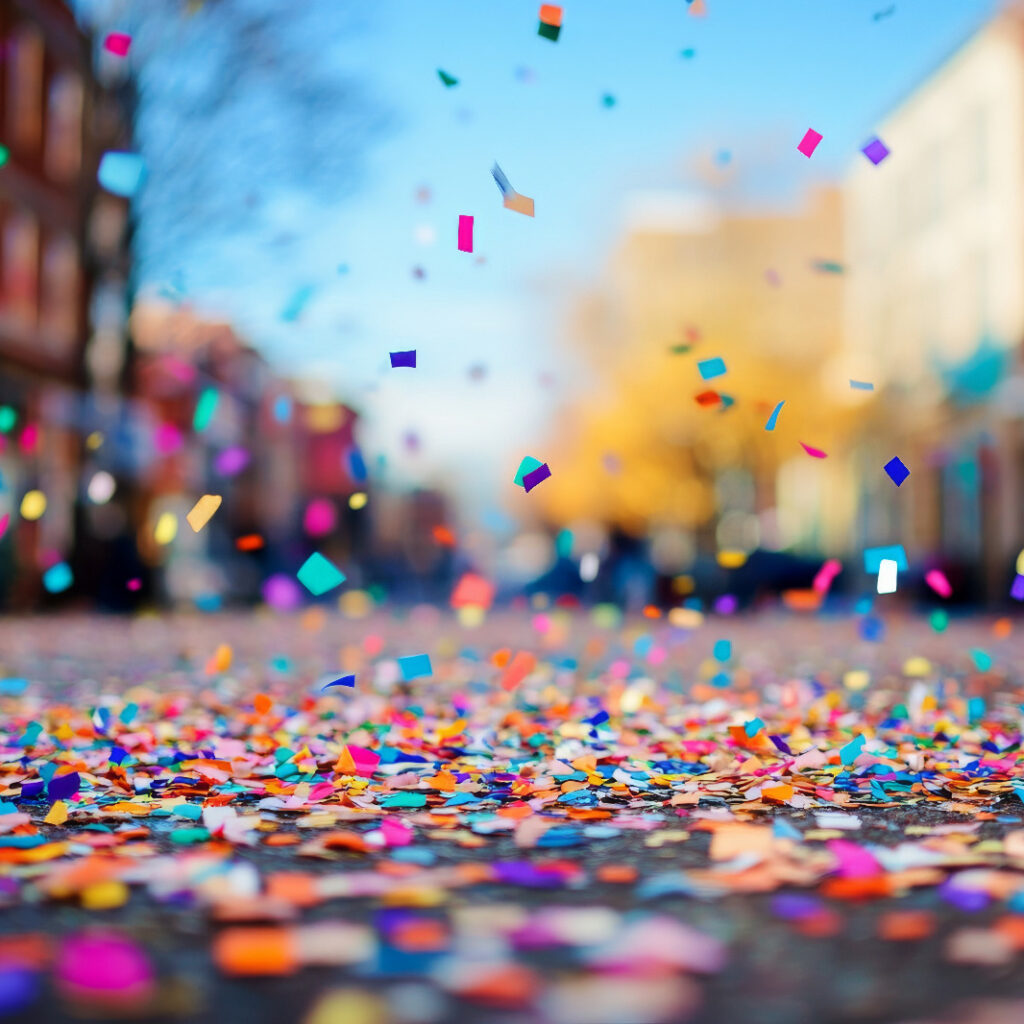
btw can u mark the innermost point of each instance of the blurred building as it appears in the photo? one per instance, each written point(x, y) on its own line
point(63, 277)
point(934, 313)
point(285, 466)
point(689, 282)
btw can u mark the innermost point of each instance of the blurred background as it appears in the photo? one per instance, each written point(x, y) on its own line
point(214, 314)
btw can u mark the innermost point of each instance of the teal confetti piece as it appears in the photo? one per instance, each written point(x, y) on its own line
point(873, 558)
point(206, 407)
point(774, 418)
point(711, 368)
point(528, 465)
point(851, 751)
point(58, 578)
point(318, 575)
point(415, 666)
point(121, 173)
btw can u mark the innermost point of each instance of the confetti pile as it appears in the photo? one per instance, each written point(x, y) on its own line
point(465, 829)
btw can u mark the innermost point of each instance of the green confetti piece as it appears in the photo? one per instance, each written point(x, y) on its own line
point(205, 409)
point(5, 155)
point(185, 836)
point(449, 80)
point(939, 620)
point(8, 417)
point(318, 575)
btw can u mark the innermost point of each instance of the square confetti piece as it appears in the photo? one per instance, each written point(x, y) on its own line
point(896, 470)
point(711, 368)
point(318, 575)
point(403, 359)
point(876, 151)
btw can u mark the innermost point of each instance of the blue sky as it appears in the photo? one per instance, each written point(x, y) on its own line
point(761, 74)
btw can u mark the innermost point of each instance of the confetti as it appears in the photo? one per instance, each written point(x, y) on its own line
point(896, 471)
point(448, 80)
point(809, 143)
point(536, 476)
point(875, 150)
point(550, 22)
point(117, 43)
point(121, 173)
point(403, 359)
point(774, 418)
point(318, 575)
point(938, 582)
point(711, 368)
point(343, 681)
point(58, 578)
point(815, 453)
point(415, 666)
point(862, 385)
point(465, 233)
point(203, 510)
point(887, 576)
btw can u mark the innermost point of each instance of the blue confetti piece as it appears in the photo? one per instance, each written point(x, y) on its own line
point(399, 359)
point(13, 686)
point(415, 666)
point(58, 578)
point(849, 753)
point(711, 368)
point(343, 681)
point(121, 173)
point(774, 418)
point(873, 558)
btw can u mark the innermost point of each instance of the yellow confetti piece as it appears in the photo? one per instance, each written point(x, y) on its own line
point(203, 510)
point(166, 528)
point(856, 679)
point(33, 505)
point(58, 813)
point(917, 666)
point(731, 559)
point(358, 500)
point(1020, 563)
point(94, 440)
point(105, 895)
point(685, 618)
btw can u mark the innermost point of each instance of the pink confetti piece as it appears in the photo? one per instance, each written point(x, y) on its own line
point(5, 521)
point(936, 579)
point(465, 233)
point(117, 43)
point(815, 453)
point(826, 574)
point(134, 584)
point(809, 142)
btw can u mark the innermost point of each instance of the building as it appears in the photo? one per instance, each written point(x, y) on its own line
point(285, 465)
point(934, 313)
point(691, 281)
point(63, 279)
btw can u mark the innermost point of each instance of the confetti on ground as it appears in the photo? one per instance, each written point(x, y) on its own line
point(809, 143)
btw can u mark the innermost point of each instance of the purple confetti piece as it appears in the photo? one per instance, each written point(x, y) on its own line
point(536, 476)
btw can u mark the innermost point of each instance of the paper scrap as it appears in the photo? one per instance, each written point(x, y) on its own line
point(203, 510)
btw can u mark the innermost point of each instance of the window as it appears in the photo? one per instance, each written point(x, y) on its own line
point(21, 268)
point(25, 89)
point(63, 151)
point(59, 311)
